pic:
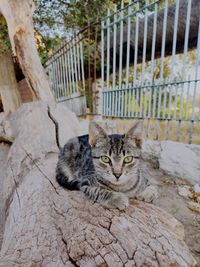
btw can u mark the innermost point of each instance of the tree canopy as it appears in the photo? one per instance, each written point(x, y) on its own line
point(56, 20)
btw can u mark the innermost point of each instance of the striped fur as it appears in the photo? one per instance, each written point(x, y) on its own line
point(83, 166)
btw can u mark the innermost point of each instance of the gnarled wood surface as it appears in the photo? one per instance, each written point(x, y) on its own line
point(18, 15)
point(10, 96)
point(49, 226)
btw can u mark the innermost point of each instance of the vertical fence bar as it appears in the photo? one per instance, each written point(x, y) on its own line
point(122, 100)
point(78, 61)
point(62, 74)
point(195, 87)
point(121, 42)
point(66, 71)
point(163, 54)
point(120, 60)
point(175, 101)
point(114, 61)
point(163, 40)
point(152, 71)
point(160, 85)
point(180, 113)
point(69, 70)
point(58, 75)
point(145, 98)
point(149, 108)
point(48, 70)
point(102, 66)
point(165, 97)
point(187, 99)
point(170, 102)
point(108, 49)
point(135, 59)
point(137, 100)
point(129, 100)
point(136, 42)
point(108, 64)
point(82, 64)
point(78, 57)
point(110, 102)
point(113, 103)
point(72, 68)
point(127, 95)
point(149, 101)
point(154, 99)
point(144, 55)
point(187, 28)
point(133, 101)
point(128, 43)
point(154, 40)
point(174, 39)
point(173, 61)
point(54, 77)
point(144, 41)
point(114, 46)
point(141, 100)
point(119, 101)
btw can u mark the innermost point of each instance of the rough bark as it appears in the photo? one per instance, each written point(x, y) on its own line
point(49, 226)
point(8, 85)
point(18, 15)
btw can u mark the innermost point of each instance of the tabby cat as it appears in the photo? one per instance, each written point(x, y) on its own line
point(106, 168)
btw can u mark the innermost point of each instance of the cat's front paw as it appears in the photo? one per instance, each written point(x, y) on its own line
point(149, 194)
point(117, 201)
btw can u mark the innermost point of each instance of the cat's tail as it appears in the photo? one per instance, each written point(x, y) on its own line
point(64, 182)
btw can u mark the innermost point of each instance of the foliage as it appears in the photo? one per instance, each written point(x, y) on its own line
point(68, 14)
point(4, 38)
point(58, 20)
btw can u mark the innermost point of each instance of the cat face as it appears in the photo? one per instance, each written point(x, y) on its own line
point(116, 157)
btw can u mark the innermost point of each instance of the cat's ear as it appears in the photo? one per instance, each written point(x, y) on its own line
point(97, 134)
point(135, 133)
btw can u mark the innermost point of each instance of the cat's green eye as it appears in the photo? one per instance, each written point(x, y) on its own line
point(105, 159)
point(128, 159)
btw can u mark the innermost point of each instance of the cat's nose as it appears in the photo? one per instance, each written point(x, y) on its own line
point(117, 175)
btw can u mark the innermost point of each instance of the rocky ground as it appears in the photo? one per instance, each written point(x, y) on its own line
point(170, 200)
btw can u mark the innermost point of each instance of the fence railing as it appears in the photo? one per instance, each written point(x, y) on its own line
point(148, 56)
point(138, 80)
point(65, 69)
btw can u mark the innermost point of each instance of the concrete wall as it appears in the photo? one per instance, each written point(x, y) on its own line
point(76, 104)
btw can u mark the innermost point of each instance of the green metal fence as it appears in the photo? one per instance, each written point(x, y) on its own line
point(134, 41)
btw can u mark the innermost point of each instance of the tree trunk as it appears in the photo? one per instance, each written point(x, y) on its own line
point(18, 15)
point(47, 226)
point(8, 85)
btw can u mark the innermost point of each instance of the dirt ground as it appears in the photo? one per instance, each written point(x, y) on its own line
point(173, 203)
point(169, 200)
